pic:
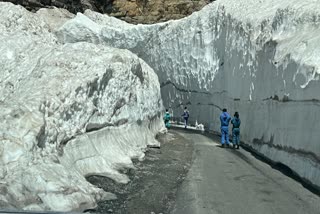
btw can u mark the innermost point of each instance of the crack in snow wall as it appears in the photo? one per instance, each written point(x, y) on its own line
point(235, 54)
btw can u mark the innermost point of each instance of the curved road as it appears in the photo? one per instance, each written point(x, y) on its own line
point(227, 181)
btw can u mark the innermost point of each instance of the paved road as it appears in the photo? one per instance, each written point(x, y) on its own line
point(227, 181)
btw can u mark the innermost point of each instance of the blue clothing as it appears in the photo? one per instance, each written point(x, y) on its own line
point(236, 122)
point(166, 119)
point(185, 122)
point(185, 116)
point(236, 136)
point(225, 135)
point(225, 119)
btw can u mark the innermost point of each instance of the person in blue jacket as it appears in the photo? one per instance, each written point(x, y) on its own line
point(236, 130)
point(166, 119)
point(185, 116)
point(224, 119)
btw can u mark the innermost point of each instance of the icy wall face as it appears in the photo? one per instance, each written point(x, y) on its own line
point(260, 58)
point(67, 111)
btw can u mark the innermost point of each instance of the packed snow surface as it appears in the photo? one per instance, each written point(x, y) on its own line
point(260, 58)
point(68, 111)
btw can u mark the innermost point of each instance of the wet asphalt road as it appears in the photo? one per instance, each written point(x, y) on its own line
point(227, 181)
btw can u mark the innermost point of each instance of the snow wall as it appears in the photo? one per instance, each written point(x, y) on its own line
point(68, 111)
point(260, 58)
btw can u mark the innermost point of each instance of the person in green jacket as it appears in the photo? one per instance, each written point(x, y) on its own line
point(236, 130)
point(166, 119)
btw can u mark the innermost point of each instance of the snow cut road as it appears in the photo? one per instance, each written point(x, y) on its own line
point(226, 181)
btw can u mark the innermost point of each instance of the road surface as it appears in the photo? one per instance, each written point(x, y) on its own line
point(227, 181)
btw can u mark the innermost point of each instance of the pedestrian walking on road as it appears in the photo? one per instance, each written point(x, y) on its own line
point(224, 119)
point(236, 130)
point(185, 116)
point(167, 118)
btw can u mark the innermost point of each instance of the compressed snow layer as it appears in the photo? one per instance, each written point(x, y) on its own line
point(260, 58)
point(68, 111)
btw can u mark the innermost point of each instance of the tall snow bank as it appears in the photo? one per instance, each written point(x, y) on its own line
point(260, 58)
point(67, 111)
